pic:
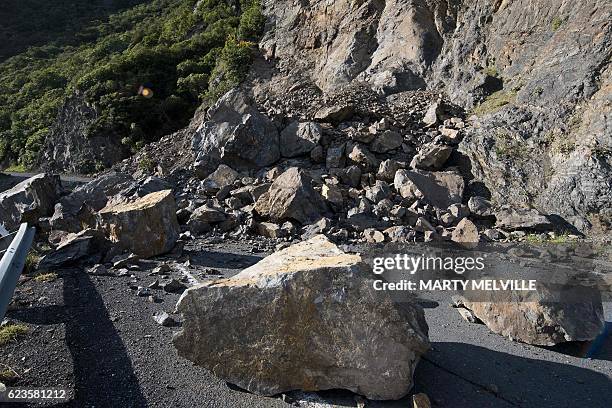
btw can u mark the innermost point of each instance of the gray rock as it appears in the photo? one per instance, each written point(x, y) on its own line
point(522, 219)
point(270, 230)
point(77, 209)
point(164, 319)
point(335, 157)
point(85, 247)
point(373, 236)
point(480, 207)
point(291, 197)
point(379, 191)
point(237, 135)
point(388, 140)
point(387, 169)
point(173, 286)
point(333, 194)
point(459, 211)
point(340, 303)
point(351, 176)
point(528, 318)
point(431, 157)
point(433, 114)
point(299, 138)
point(29, 200)
point(466, 234)
point(152, 184)
point(362, 156)
point(222, 177)
point(440, 189)
point(335, 114)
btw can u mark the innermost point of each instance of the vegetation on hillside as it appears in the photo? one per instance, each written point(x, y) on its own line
point(179, 51)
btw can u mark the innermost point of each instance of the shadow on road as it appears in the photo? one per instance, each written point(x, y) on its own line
point(598, 349)
point(465, 375)
point(211, 259)
point(103, 372)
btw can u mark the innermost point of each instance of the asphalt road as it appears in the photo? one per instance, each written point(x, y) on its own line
point(94, 335)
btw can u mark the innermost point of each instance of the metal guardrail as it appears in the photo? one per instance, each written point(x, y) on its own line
point(12, 264)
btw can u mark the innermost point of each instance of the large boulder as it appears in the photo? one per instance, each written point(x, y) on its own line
point(291, 197)
point(522, 219)
point(29, 200)
point(440, 189)
point(236, 134)
point(544, 323)
point(146, 226)
point(304, 318)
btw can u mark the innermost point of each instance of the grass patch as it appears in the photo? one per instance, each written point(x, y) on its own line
point(31, 262)
point(17, 168)
point(508, 147)
point(11, 332)
point(46, 277)
point(8, 375)
point(547, 239)
point(556, 23)
point(495, 102)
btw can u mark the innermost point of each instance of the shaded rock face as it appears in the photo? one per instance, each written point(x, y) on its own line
point(387, 43)
point(70, 149)
point(291, 197)
point(146, 226)
point(320, 325)
point(29, 200)
point(236, 134)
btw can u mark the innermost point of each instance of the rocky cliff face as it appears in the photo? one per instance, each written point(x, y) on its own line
point(70, 149)
point(535, 72)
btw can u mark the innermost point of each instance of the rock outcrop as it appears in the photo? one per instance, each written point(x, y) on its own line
point(304, 318)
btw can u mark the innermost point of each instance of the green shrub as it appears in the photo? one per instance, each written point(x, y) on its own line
point(183, 53)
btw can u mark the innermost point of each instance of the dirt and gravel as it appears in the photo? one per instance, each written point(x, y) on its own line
point(97, 337)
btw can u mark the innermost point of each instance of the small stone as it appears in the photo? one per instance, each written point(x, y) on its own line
point(388, 140)
point(164, 319)
point(372, 236)
point(98, 269)
point(173, 286)
point(420, 400)
point(466, 234)
point(422, 225)
point(481, 207)
point(459, 211)
point(143, 292)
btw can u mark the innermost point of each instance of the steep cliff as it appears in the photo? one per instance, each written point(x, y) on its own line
point(536, 74)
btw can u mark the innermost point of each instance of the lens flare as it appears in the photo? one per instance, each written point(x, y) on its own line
point(145, 92)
